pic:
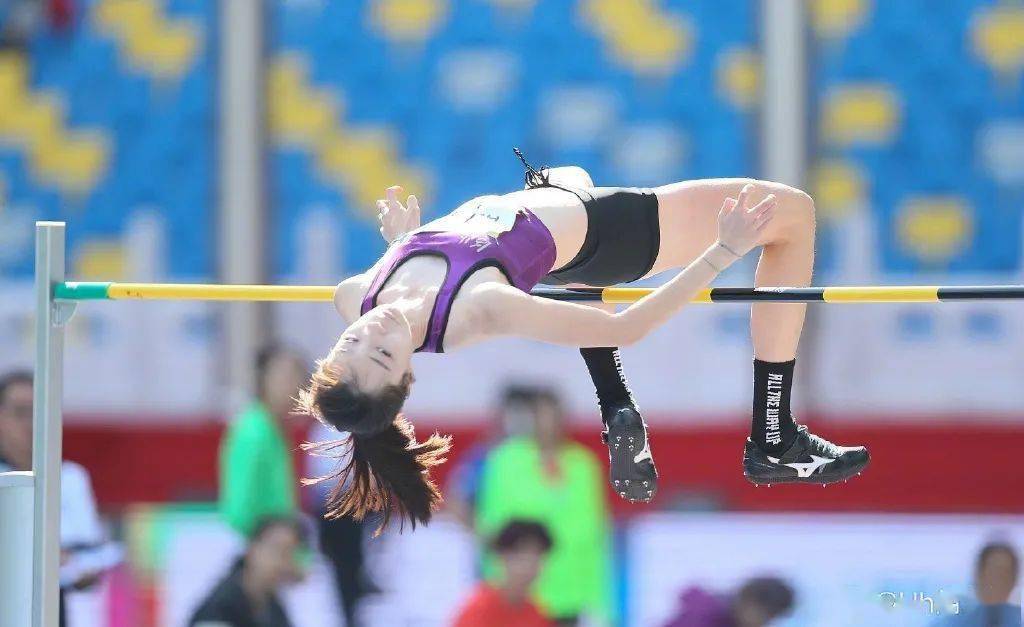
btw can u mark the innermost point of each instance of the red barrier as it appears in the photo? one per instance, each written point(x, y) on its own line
point(915, 467)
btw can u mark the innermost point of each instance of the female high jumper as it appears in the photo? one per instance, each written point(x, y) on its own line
point(467, 276)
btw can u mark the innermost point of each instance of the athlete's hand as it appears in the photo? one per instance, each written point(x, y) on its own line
point(740, 226)
point(395, 219)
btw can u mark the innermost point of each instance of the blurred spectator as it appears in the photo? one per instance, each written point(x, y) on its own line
point(61, 13)
point(18, 20)
point(257, 473)
point(513, 417)
point(85, 554)
point(995, 577)
point(551, 479)
point(757, 603)
point(247, 595)
point(341, 539)
point(16, 420)
point(521, 547)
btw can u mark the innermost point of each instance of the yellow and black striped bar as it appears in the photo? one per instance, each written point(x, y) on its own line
point(325, 293)
point(837, 294)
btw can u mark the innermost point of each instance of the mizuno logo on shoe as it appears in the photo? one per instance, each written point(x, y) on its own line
point(805, 469)
point(644, 454)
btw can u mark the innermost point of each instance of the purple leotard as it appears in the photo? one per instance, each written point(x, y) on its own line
point(524, 254)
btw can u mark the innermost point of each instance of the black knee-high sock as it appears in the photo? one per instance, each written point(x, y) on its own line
point(606, 371)
point(772, 427)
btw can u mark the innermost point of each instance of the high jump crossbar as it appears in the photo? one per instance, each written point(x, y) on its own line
point(35, 496)
point(78, 291)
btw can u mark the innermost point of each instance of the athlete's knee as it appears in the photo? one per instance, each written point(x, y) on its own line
point(802, 205)
point(788, 195)
point(795, 210)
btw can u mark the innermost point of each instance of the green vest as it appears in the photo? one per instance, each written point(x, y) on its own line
point(577, 575)
point(257, 475)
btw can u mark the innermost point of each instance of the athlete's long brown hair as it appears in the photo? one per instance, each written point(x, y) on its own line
point(388, 470)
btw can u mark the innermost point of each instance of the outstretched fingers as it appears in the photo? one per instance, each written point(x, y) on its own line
point(392, 197)
point(412, 205)
point(744, 195)
point(727, 206)
point(763, 212)
point(768, 202)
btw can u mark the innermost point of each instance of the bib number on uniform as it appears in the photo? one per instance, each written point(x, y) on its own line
point(476, 218)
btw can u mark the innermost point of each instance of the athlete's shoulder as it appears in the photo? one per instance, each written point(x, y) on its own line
point(348, 295)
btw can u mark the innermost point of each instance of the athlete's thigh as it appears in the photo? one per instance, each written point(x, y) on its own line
point(688, 216)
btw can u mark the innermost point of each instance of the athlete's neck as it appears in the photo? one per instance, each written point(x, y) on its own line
point(416, 310)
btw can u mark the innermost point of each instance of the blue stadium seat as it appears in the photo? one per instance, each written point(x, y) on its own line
point(384, 83)
point(947, 95)
point(159, 135)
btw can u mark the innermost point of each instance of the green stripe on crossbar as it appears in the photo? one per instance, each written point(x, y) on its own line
point(75, 290)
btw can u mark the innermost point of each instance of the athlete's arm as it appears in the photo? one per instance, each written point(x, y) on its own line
point(511, 312)
point(395, 218)
point(347, 296)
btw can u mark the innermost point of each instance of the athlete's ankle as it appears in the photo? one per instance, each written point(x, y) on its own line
point(605, 369)
point(771, 426)
point(782, 441)
point(609, 406)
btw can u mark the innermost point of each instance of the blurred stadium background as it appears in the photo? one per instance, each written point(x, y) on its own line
point(911, 139)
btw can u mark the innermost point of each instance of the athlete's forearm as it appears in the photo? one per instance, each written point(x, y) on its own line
point(656, 308)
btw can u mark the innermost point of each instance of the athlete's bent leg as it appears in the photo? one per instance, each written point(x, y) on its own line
point(688, 216)
point(778, 450)
point(631, 470)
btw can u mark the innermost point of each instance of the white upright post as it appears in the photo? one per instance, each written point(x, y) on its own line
point(15, 549)
point(46, 426)
point(784, 92)
point(785, 129)
point(242, 231)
